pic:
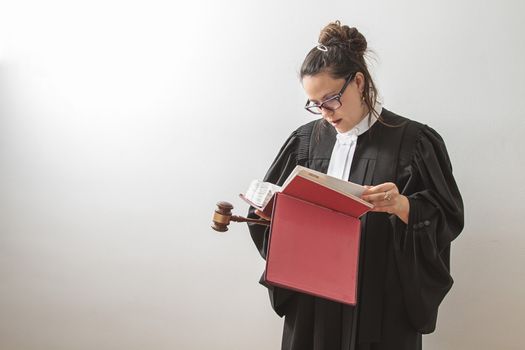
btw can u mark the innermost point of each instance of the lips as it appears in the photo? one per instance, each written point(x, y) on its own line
point(335, 122)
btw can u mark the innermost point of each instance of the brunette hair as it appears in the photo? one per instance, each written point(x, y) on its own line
point(341, 52)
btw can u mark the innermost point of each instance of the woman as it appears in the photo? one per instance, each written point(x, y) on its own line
point(404, 262)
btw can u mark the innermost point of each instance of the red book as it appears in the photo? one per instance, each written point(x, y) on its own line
point(314, 239)
point(312, 186)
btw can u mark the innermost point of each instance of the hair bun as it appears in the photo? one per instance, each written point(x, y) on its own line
point(335, 34)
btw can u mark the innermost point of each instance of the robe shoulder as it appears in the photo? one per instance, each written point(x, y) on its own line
point(294, 151)
point(430, 184)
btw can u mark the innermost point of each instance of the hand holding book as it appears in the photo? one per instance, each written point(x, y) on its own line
point(389, 207)
point(387, 199)
point(262, 214)
point(381, 198)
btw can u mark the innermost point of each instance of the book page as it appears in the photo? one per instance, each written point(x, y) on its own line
point(342, 186)
point(259, 193)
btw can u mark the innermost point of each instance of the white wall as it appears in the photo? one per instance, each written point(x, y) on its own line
point(123, 123)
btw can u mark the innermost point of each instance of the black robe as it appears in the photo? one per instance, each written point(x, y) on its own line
point(404, 268)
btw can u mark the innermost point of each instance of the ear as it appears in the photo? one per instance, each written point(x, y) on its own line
point(360, 81)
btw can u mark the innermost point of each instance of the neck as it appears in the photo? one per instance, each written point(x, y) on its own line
point(365, 111)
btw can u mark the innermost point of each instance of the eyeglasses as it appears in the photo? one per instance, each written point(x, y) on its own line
point(331, 103)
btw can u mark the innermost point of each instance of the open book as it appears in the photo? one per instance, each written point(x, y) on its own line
point(312, 186)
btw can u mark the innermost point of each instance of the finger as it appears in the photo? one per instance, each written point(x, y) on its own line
point(373, 198)
point(385, 204)
point(387, 209)
point(387, 186)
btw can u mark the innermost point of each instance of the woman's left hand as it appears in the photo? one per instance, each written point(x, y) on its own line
point(386, 198)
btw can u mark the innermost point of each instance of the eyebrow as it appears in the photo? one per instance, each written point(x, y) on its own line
point(325, 96)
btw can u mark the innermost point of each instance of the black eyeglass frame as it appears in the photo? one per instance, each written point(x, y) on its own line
point(335, 97)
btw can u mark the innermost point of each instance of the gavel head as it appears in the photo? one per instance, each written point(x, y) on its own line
point(222, 216)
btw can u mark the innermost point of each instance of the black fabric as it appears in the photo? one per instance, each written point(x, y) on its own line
point(404, 268)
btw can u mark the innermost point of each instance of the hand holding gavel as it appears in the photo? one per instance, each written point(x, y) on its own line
point(223, 216)
point(262, 214)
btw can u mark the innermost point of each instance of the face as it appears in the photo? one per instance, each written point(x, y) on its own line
point(322, 86)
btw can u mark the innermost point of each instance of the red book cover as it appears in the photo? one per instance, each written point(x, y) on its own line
point(314, 249)
point(303, 188)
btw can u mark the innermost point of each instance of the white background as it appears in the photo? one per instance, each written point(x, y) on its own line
point(122, 123)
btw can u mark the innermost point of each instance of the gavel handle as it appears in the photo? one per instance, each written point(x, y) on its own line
point(255, 221)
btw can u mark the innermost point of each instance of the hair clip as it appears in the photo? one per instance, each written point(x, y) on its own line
point(321, 47)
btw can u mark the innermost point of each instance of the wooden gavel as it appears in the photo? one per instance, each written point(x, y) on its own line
point(223, 216)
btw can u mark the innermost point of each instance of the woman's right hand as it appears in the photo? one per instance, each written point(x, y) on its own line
point(262, 215)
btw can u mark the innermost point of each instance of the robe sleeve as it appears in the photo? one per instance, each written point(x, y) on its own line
point(281, 167)
point(422, 247)
point(285, 161)
point(295, 151)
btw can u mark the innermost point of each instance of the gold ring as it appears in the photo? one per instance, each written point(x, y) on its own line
point(387, 196)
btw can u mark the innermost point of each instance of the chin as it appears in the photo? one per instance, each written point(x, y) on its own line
point(342, 128)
